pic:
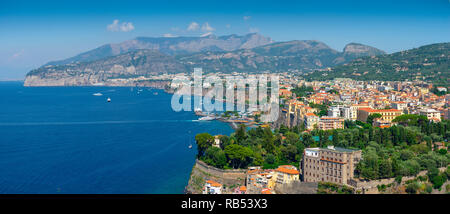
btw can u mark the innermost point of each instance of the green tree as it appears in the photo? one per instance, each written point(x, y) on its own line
point(203, 140)
point(385, 169)
point(289, 152)
point(241, 134)
point(215, 157)
point(292, 138)
point(372, 117)
point(268, 140)
point(239, 155)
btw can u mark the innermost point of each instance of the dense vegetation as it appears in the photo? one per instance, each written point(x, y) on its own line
point(258, 147)
point(323, 108)
point(302, 91)
point(332, 188)
point(434, 90)
point(401, 150)
point(429, 63)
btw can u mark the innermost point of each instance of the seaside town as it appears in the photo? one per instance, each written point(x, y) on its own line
point(326, 106)
point(219, 106)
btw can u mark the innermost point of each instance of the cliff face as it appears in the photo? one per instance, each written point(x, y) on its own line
point(122, 70)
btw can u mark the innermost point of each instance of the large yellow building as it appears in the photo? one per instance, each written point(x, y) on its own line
point(386, 114)
point(286, 174)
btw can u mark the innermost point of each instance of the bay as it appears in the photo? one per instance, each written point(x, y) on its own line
point(65, 140)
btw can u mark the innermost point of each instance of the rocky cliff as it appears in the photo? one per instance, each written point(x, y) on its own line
point(201, 172)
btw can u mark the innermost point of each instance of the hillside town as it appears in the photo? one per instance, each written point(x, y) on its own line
point(327, 106)
point(346, 99)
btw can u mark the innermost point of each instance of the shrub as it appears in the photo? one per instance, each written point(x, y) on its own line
point(412, 188)
point(442, 151)
point(438, 181)
point(422, 178)
point(429, 189)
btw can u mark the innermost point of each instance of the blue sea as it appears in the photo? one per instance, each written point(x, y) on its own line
point(65, 140)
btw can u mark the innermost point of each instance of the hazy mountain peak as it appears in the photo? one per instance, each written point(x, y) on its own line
point(172, 46)
point(360, 49)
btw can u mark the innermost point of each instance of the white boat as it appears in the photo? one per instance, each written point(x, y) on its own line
point(206, 118)
point(190, 146)
point(109, 100)
point(97, 94)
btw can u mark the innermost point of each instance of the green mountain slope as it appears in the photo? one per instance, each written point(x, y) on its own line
point(428, 63)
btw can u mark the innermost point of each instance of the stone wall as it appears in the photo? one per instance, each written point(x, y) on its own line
point(201, 172)
point(296, 187)
point(371, 187)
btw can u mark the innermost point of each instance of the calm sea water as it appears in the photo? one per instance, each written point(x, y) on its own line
point(65, 140)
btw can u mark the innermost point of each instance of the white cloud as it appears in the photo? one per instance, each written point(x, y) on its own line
point(169, 35)
point(117, 26)
point(125, 27)
point(193, 26)
point(246, 18)
point(207, 28)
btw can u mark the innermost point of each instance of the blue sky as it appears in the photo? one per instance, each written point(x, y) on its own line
point(35, 32)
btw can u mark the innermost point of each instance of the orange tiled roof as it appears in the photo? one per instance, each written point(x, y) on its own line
point(287, 171)
point(253, 171)
point(379, 110)
point(213, 183)
point(266, 191)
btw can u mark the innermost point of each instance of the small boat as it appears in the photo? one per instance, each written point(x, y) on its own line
point(206, 118)
point(156, 93)
point(97, 94)
point(190, 146)
point(109, 100)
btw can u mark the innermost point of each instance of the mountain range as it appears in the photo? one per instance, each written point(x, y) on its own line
point(171, 46)
point(145, 56)
point(429, 63)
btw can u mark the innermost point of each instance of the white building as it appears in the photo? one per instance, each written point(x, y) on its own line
point(312, 152)
point(431, 114)
point(334, 111)
point(212, 187)
point(399, 105)
point(347, 113)
point(216, 141)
